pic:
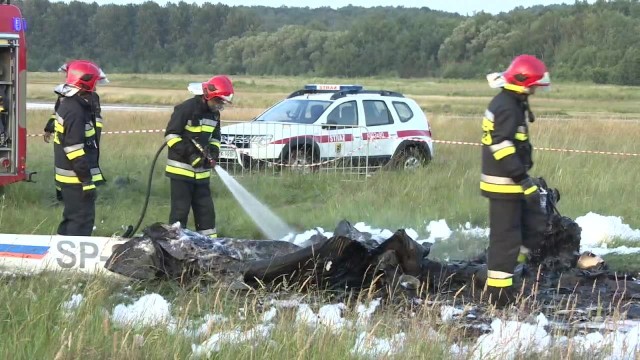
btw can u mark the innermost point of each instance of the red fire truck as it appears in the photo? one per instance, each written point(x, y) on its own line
point(13, 105)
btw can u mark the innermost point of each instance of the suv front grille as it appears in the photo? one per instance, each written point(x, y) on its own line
point(239, 141)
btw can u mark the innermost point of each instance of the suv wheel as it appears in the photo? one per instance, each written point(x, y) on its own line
point(300, 159)
point(410, 158)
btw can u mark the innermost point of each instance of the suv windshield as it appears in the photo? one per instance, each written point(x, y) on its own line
point(295, 111)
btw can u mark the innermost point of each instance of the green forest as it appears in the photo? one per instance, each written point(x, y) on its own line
point(597, 42)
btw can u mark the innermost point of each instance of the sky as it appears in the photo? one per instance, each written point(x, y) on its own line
point(464, 7)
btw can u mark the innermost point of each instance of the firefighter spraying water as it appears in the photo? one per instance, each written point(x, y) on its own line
point(193, 139)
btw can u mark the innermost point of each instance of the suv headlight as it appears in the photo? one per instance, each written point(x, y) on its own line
point(261, 140)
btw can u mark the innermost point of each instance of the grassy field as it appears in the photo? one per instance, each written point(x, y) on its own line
point(447, 188)
point(40, 323)
point(434, 95)
point(573, 116)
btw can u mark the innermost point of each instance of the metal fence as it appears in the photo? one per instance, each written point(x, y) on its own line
point(251, 148)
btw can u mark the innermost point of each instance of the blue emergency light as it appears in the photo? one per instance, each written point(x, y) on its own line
point(333, 87)
point(19, 24)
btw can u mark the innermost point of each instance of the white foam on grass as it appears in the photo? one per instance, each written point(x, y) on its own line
point(329, 316)
point(474, 231)
point(306, 316)
point(620, 250)
point(625, 345)
point(597, 233)
point(370, 346)
point(412, 233)
point(148, 310)
point(590, 343)
point(616, 345)
point(378, 235)
point(269, 315)
point(542, 320)
point(450, 313)
point(599, 230)
point(233, 337)
point(438, 230)
point(365, 311)
point(304, 238)
point(193, 330)
point(70, 306)
point(288, 303)
point(509, 339)
point(459, 352)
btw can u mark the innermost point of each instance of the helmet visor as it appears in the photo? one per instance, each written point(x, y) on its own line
point(102, 80)
point(545, 81)
point(226, 99)
point(195, 88)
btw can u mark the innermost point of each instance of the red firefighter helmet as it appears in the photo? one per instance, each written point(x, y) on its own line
point(103, 77)
point(526, 72)
point(83, 75)
point(219, 86)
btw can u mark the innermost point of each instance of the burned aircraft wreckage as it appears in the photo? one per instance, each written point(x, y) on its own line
point(351, 261)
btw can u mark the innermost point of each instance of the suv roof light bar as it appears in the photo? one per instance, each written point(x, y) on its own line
point(324, 88)
point(340, 90)
point(340, 94)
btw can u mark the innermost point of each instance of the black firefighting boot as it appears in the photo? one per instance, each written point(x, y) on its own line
point(499, 296)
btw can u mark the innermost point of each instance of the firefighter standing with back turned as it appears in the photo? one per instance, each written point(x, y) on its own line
point(514, 197)
point(49, 129)
point(75, 149)
point(193, 138)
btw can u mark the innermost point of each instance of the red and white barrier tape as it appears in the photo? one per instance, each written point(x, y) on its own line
point(449, 142)
point(546, 148)
point(346, 155)
point(117, 132)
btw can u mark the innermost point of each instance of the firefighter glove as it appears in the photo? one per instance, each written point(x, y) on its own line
point(215, 154)
point(50, 126)
point(531, 191)
point(210, 160)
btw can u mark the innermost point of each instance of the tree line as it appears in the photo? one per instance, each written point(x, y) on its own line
point(585, 42)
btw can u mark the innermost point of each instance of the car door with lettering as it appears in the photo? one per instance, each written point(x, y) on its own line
point(341, 136)
point(378, 133)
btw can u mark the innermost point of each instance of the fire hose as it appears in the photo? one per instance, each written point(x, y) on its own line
point(131, 229)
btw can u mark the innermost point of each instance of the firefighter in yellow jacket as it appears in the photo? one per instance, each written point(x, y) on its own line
point(49, 129)
point(193, 137)
point(514, 197)
point(75, 149)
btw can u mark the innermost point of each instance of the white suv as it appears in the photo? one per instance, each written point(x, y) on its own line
point(322, 123)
